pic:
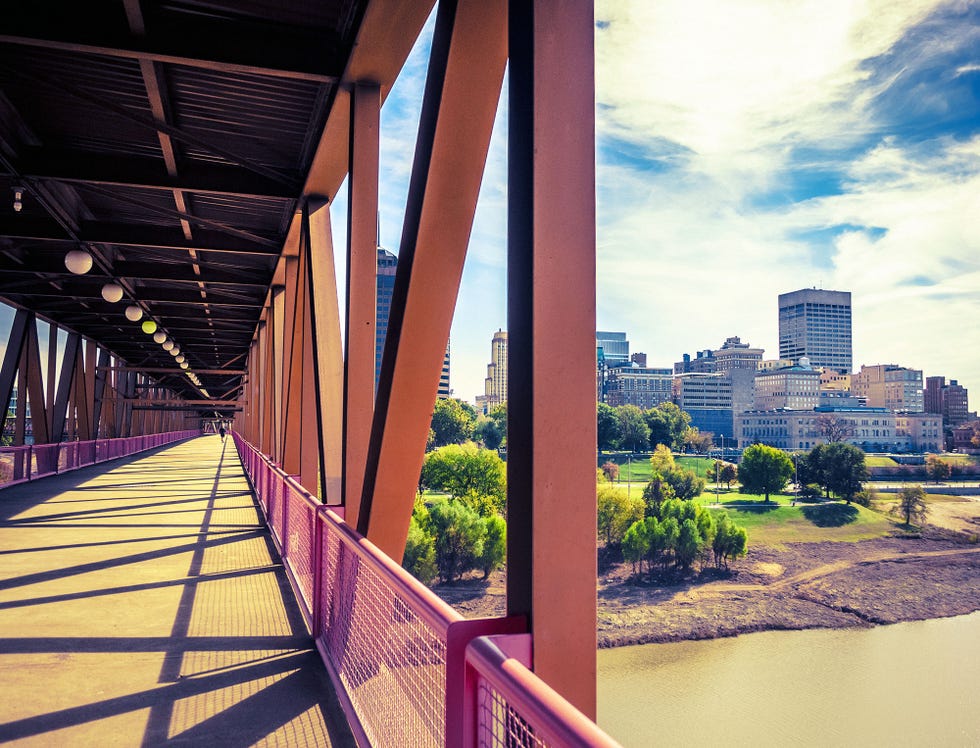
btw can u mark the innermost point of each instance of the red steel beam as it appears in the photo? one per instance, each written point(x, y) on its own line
point(469, 53)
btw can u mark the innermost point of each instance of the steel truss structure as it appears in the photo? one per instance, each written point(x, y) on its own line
point(192, 148)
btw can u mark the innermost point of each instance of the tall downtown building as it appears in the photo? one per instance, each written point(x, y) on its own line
point(387, 267)
point(495, 384)
point(816, 324)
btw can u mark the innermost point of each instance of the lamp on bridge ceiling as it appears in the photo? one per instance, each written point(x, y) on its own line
point(149, 326)
point(184, 364)
point(78, 261)
point(134, 313)
point(112, 292)
point(18, 199)
point(175, 351)
point(179, 359)
point(168, 345)
point(159, 336)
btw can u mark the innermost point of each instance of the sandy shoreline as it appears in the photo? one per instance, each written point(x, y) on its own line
point(798, 586)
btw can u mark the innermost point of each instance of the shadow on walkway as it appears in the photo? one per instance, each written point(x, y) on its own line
point(144, 604)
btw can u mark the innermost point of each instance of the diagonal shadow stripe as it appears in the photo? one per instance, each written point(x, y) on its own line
point(153, 697)
point(236, 574)
point(136, 558)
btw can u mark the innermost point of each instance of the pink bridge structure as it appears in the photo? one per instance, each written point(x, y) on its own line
point(166, 246)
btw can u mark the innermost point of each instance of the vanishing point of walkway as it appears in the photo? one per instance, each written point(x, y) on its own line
point(142, 603)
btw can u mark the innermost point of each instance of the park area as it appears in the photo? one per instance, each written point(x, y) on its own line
point(808, 564)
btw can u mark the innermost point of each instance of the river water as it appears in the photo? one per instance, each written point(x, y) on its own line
point(909, 684)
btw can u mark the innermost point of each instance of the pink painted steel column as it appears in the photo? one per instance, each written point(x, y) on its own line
point(469, 52)
point(362, 291)
point(328, 361)
point(551, 563)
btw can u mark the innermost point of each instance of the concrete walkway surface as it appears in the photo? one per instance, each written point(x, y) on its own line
point(142, 603)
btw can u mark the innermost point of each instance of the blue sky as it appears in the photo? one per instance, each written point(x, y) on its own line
point(749, 148)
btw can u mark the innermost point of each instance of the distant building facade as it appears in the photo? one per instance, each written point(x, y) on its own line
point(707, 398)
point(789, 388)
point(495, 384)
point(643, 387)
point(816, 324)
point(733, 354)
point(387, 266)
point(951, 400)
point(444, 389)
point(612, 349)
point(890, 386)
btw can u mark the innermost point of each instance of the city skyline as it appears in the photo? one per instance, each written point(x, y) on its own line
point(743, 152)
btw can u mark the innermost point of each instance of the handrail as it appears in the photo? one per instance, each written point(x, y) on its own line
point(33, 461)
point(523, 704)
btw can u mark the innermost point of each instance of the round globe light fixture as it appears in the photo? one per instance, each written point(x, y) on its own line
point(175, 351)
point(168, 344)
point(112, 292)
point(78, 261)
point(184, 365)
point(159, 336)
point(149, 326)
point(180, 359)
point(134, 313)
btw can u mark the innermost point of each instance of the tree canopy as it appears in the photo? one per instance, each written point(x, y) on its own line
point(844, 469)
point(912, 504)
point(452, 421)
point(667, 424)
point(465, 470)
point(634, 433)
point(607, 427)
point(764, 469)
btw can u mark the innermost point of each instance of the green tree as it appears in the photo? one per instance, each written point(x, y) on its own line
point(937, 468)
point(615, 512)
point(420, 553)
point(727, 474)
point(844, 469)
point(494, 545)
point(686, 483)
point(488, 432)
point(634, 433)
point(465, 470)
point(729, 541)
point(452, 421)
point(498, 414)
point(667, 424)
point(657, 491)
point(459, 534)
point(662, 459)
point(607, 427)
point(694, 440)
point(688, 544)
point(636, 544)
point(764, 469)
point(912, 504)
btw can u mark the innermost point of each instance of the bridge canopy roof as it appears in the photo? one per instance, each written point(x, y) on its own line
point(174, 141)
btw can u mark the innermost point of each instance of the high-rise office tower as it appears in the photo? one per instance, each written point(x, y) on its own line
point(816, 324)
point(387, 265)
point(495, 385)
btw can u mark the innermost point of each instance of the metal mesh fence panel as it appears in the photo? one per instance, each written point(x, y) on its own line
point(298, 543)
point(391, 661)
point(499, 723)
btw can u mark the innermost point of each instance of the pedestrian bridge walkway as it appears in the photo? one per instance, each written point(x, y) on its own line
point(145, 604)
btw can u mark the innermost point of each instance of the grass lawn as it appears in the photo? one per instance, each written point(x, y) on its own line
point(873, 461)
point(810, 523)
point(637, 468)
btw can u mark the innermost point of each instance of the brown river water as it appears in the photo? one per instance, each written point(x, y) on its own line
point(908, 684)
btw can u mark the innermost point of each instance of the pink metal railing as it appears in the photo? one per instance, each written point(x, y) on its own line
point(408, 669)
point(33, 461)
